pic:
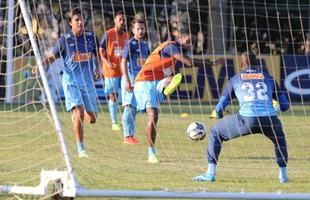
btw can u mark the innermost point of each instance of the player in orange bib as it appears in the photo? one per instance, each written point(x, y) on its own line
point(111, 47)
point(157, 79)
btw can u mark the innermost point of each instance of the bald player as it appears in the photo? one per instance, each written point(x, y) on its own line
point(254, 90)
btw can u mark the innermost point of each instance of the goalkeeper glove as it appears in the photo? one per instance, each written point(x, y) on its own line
point(216, 115)
point(276, 105)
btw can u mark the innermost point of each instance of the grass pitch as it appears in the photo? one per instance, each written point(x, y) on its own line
point(28, 143)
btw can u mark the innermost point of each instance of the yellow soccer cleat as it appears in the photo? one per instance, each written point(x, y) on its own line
point(83, 154)
point(175, 82)
point(116, 127)
point(153, 159)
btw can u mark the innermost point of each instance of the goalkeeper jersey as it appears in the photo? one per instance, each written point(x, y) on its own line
point(254, 90)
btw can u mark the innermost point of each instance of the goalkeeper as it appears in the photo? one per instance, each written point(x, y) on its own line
point(254, 90)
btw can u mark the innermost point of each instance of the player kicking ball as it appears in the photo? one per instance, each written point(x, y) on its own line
point(254, 90)
point(156, 79)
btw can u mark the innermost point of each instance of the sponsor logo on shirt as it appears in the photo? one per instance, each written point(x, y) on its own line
point(252, 76)
point(118, 51)
point(81, 57)
point(167, 72)
point(140, 61)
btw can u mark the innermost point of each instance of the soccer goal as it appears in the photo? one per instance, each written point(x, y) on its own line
point(38, 150)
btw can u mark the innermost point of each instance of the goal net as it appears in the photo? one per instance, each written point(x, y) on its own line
point(38, 150)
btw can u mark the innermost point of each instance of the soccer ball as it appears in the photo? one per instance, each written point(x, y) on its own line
point(196, 131)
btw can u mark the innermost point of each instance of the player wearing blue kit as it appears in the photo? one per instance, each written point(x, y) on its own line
point(254, 90)
point(134, 55)
point(77, 48)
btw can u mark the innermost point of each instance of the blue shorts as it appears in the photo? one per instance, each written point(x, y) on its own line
point(149, 94)
point(112, 85)
point(75, 96)
point(128, 98)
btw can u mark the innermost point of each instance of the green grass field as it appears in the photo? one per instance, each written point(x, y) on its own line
point(28, 143)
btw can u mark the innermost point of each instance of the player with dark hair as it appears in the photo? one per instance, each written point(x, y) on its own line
point(77, 48)
point(134, 55)
point(156, 78)
point(111, 47)
point(254, 90)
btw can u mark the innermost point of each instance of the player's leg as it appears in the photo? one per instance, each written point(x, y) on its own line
point(113, 109)
point(78, 129)
point(129, 114)
point(146, 95)
point(152, 115)
point(228, 128)
point(172, 83)
point(272, 128)
point(111, 89)
point(132, 127)
point(90, 105)
point(128, 120)
point(88, 112)
point(74, 103)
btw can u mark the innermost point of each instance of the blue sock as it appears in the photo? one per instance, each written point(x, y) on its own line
point(151, 150)
point(282, 172)
point(113, 111)
point(132, 119)
point(126, 122)
point(80, 147)
point(211, 168)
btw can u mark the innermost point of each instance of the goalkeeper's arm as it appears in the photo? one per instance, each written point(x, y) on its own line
point(224, 101)
point(281, 102)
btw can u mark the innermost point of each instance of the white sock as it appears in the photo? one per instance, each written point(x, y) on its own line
point(282, 172)
point(211, 168)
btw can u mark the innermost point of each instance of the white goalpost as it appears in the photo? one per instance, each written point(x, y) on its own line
point(38, 150)
point(64, 177)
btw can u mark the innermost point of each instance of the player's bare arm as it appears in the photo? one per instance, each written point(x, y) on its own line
point(104, 60)
point(129, 87)
point(183, 59)
point(46, 62)
point(98, 74)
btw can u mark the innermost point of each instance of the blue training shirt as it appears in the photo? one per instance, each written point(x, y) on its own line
point(135, 52)
point(77, 53)
point(254, 90)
